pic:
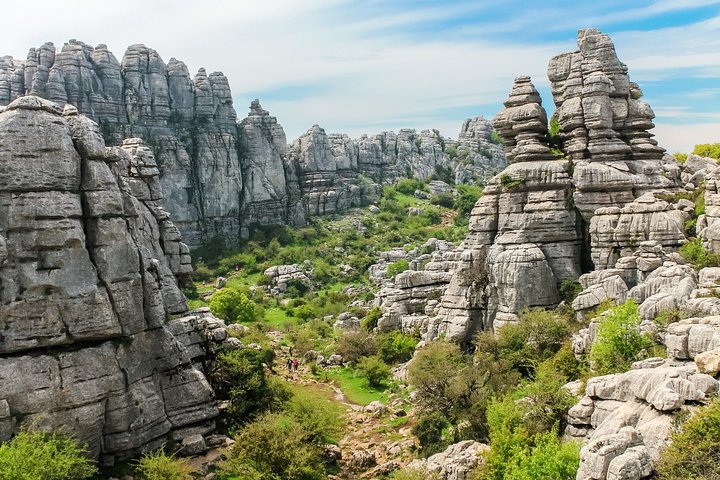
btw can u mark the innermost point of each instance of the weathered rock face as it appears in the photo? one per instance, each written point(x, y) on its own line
point(604, 127)
point(552, 214)
point(455, 462)
point(88, 269)
point(221, 177)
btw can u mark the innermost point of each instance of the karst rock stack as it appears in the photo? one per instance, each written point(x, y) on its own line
point(221, 177)
point(95, 334)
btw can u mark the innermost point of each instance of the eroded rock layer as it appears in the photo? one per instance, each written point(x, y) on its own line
point(89, 270)
point(221, 177)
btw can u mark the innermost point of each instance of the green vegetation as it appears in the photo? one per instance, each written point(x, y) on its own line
point(355, 387)
point(286, 444)
point(46, 456)
point(239, 376)
point(711, 150)
point(158, 465)
point(396, 347)
point(508, 183)
point(496, 139)
point(516, 454)
point(397, 267)
point(569, 289)
point(429, 432)
point(375, 371)
point(699, 256)
point(413, 474)
point(233, 306)
point(680, 157)
point(694, 451)
point(618, 341)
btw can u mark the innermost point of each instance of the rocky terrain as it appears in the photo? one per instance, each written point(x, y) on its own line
point(600, 201)
point(219, 176)
point(95, 334)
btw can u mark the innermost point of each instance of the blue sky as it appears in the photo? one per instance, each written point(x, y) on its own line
point(367, 66)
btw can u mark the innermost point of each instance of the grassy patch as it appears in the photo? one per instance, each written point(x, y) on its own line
point(356, 388)
point(278, 318)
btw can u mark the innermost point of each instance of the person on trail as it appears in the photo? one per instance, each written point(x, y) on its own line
point(295, 364)
point(289, 364)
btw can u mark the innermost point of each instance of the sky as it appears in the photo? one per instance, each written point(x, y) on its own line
point(366, 66)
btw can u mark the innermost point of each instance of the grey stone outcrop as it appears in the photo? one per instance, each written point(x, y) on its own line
point(89, 272)
point(219, 177)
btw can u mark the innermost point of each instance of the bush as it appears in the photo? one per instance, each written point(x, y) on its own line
point(694, 452)
point(465, 202)
point(409, 185)
point(396, 347)
point(429, 432)
point(46, 456)
point(711, 150)
point(699, 256)
point(569, 290)
point(445, 199)
point(369, 321)
point(444, 174)
point(239, 376)
point(516, 455)
point(414, 474)
point(354, 345)
point(618, 341)
point(397, 267)
point(160, 466)
point(233, 306)
point(374, 370)
point(286, 445)
point(305, 312)
point(536, 337)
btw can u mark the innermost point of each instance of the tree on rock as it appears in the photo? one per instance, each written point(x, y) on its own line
point(233, 306)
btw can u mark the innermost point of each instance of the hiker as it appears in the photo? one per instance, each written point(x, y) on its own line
point(295, 364)
point(289, 364)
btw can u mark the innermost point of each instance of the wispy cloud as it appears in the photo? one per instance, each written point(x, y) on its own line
point(363, 66)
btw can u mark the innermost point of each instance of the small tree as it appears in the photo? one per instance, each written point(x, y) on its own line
point(374, 370)
point(233, 306)
point(428, 430)
point(397, 267)
point(618, 341)
point(354, 345)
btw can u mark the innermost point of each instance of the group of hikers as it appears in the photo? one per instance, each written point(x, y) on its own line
point(292, 365)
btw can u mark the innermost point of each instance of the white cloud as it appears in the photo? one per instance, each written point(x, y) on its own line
point(682, 138)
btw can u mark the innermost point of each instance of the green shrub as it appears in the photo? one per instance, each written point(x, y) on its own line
point(429, 432)
point(466, 200)
point(369, 321)
point(409, 185)
point(160, 466)
point(711, 150)
point(354, 345)
point(618, 342)
point(515, 454)
point(239, 376)
point(699, 256)
point(496, 138)
point(44, 456)
point(508, 183)
point(680, 157)
point(445, 199)
point(233, 306)
point(305, 312)
point(694, 451)
point(375, 371)
point(569, 290)
point(286, 445)
point(537, 336)
point(545, 402)
point(444, 174)
point(397, 267)
point(396, 347)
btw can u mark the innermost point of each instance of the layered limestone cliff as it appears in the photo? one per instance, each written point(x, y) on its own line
point(91, 334)
point(221, 177)
point(565, 204)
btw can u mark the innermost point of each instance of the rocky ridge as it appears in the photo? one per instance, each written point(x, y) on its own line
point(95, 334)
point(221, 177)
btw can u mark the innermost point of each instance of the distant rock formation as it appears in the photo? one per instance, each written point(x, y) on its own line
point(90, 334)
point(221, 177)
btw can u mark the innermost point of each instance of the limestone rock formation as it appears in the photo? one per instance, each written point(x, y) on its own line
point(89, 263)
point(455, 462)
point(219, 177)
